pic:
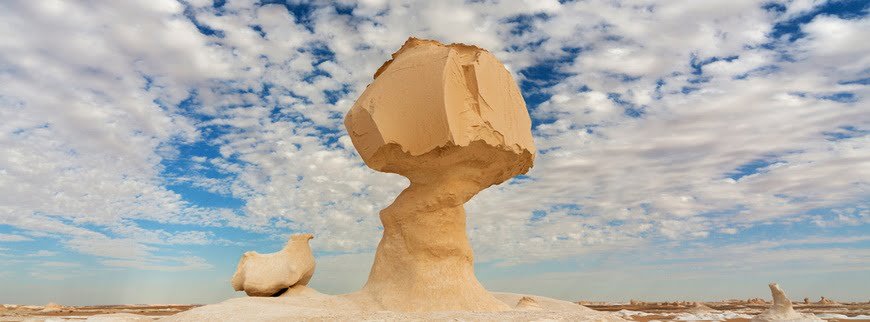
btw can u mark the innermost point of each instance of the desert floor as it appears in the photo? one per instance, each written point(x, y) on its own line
point(733, 311)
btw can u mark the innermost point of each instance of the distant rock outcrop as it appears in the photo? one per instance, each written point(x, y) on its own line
point(781, 310)
point(272, 274)
point(826, 301)
point(756, 301)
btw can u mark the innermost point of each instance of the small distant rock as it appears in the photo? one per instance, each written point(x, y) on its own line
point(756, 301)
point(528, 303)
point(52, 307)
point(825, 300)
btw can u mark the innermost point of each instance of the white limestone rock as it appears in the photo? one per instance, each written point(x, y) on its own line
point(781, 310)
point(271, 274)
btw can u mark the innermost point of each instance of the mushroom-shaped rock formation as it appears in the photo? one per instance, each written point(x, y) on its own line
point(451, 119)
point(271, 274)
point(781, 310)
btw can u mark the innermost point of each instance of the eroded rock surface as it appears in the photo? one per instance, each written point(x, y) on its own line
point(272, 274)
point(451, 119)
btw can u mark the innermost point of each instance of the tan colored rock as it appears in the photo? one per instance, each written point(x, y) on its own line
point(270, 274)
point(806, 300)
point(451, 119)
point(782, 310)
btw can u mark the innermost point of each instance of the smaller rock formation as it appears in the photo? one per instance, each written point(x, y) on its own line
point(636, 302)
point(528, 303)
point(781, 310)
point(272, 274)
point(806, 300)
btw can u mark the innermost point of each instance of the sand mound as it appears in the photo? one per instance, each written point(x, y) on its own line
point(310, 305)
point(528, 303)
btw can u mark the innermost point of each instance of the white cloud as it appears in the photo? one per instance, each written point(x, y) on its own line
point(13, 238)
point(42, 253)
point(59, 264)
point(837, 41)
point(177, 264)
point(48, 276)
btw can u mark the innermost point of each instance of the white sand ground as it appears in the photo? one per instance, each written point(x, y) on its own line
point(310, 305)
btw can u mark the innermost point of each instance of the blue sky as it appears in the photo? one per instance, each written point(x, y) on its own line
point(687, 151)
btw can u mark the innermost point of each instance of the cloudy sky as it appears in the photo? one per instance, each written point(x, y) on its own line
point(689, 150)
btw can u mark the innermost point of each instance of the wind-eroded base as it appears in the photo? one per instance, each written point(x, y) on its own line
point(424, 261)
